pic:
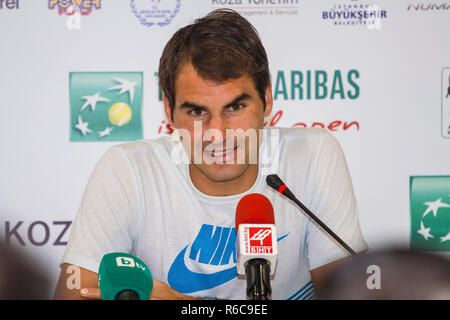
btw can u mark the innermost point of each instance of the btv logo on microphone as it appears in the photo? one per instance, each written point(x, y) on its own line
point(125, 262)
point(128, 262)
point(260, 240)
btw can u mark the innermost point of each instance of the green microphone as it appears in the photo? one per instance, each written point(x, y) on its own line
point(122, 276)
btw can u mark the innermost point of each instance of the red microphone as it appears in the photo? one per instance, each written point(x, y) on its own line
point(256, 245)
point(254, 208)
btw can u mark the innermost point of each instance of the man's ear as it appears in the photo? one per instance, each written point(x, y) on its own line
point(167, 110)
point(269, 100)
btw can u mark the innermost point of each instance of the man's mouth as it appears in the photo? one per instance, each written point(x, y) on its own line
point(220, 156)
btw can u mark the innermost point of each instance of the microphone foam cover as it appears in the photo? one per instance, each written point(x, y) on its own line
point(274, 181)
point(120, 271)
point(254, 208)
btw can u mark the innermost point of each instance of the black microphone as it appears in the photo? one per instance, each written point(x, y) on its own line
point(278, 185)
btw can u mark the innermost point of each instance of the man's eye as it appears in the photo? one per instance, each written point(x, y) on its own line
point(236, 107)
point(197, 112)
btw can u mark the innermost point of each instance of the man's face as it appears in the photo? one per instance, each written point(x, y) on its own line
point(220, 152)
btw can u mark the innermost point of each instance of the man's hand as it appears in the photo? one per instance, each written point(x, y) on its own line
point(69, 285)
point(161, 291)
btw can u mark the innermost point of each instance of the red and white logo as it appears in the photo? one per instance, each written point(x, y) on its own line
point(256, 241)
point(260, 240)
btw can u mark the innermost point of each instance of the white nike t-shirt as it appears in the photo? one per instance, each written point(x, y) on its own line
point(139, 200)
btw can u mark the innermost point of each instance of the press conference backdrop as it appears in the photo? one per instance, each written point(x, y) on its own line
point(375, 74)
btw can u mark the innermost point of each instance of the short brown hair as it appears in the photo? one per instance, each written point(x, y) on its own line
point(222, 45)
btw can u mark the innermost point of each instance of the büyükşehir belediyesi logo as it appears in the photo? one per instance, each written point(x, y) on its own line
point(105, 106)
point(430, 212)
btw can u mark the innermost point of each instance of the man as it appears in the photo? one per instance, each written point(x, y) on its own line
point(178, 217)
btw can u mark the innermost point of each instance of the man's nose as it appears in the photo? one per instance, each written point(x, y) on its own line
point(216, 129)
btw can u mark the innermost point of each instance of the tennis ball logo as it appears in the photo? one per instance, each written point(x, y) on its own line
point(120, 114)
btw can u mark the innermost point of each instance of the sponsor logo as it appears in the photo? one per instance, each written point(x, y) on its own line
point(260, 7)
point(9, 4)
point(36, 233)
point(213, 257)
point(312, 85)
point(159, 12)
point(316, 85)
point(445, 102)
point(430, 212)
point(429, 6)
point(333, 125)
point(70, 7)
point(74, 9)
point(295, 85)
point(355, 13)
point(105, 106)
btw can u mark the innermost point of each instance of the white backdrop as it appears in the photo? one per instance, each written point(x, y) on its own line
point(397, 99)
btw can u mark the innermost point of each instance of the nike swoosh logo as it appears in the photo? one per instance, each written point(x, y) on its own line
point(282, 237)
point(183, 280)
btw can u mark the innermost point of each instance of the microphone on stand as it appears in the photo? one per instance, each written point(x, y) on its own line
point(256, 245)
point(278, 185)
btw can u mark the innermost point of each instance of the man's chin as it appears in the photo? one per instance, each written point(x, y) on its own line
point(223, 172)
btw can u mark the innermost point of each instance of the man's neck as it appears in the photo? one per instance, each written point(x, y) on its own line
point(224, 188)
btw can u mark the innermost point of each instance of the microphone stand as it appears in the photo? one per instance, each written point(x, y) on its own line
point(277, 184)
point(257, 272)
